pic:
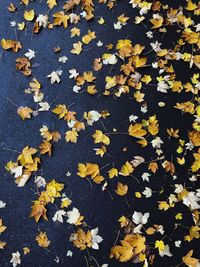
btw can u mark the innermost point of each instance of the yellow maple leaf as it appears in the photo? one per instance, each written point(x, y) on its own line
point(60, 19)
point(26, 156)
point(38, 209)
point(53, 189)
point(11, 44)
point(196, 164)
point(26, 250)
point(123, 221)
point(136, 130)
point(157, 22)
point(99, 137)
point(126, 169)
point(153, 166)
point(189, 260)
point(122, 189)
point(82, 239)
point(24, 112)
point(163, 205)
point(77, 48)
point(2, 244)
point(42, 240)
point(2, 227)
point(82, 170)
point(46, 147)
point(160, 245)
point(29, 15)
point(101, 151)
point(25, 2)
point(112, 173)
point(60, 110)
point(71, 136)
point(51, 3)
point(92, 169)
point(122, 253)
point(146, 79)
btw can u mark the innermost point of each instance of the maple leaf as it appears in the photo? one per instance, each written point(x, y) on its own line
point(58, 216)
point(26, 156)
point(82, 170)
point(10, 44)
point(77, 48)
point(196, 164)
point(98, 179)
point(71, 136)
point(55, 76)
point(126, 169)
point(92, 169)
point(53, 189)
point(97, 64)
point(194, 136)
point(160, 245)
point(2, 227)
point(163, 205)
point(153, 166)
point(60, 18)
point(51, 3)
point(12, 7)
point(136, 130)
point(70, 4)
point(112, 173)
point(25, 2)
point(121, 189)
point(42, 240)
point(82, 239)
point(46, 147)
point(29, 15)
point(24, 112)
point(189, 260)
point(99, 137)
point(157, 21)
point(60, 110)
point(2, 244)
point(37, 210)
point(23, 64)
point(122, 253)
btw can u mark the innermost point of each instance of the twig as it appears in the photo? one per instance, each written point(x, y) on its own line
point(9, 149)
point(12, 102)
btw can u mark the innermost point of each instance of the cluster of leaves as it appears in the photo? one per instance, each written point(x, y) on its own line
point(135, 71)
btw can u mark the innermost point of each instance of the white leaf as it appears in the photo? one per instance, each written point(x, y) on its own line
point(17, 171)
point(44, 106)
point(96, 239)
point(99, 44)
point(73, 74)
point(42, 20)
point(69, 253)
point(58, 216)
point(139, 218)
point(15, 260)
point(23, 180)
point(137, 161)
point(63, 59)
point(30, 54)
point(40, 181)
point(133, 118)
point(2, 204)
point(76, 89)
point(147, 192)
point(55, 76)
point(73, 216)
point(145, 176)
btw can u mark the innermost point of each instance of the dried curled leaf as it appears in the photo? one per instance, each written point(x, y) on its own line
point(10, 44)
